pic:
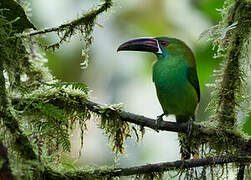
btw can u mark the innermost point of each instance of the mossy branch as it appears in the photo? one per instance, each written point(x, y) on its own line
point(205, 134)
point(21, 144)
point(234, 43)
point(147, 169)
point(85, 19)
point(170, 126)
point(83, 25)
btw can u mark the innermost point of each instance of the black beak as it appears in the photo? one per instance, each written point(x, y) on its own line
point(141, 44)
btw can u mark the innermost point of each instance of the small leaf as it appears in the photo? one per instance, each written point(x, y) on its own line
point(12, 11)
point(215, 32)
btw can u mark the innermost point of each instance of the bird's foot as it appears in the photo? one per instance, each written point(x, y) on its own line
point(195, 156)
point(158, 121)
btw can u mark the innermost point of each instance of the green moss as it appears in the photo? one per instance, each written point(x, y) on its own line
point(230, 37)
point(116, 129)
point(229, 95)
point(14, 11)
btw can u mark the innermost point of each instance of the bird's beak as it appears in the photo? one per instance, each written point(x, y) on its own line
point(141, 44)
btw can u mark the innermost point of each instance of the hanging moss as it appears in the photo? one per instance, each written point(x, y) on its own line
point(116, 130)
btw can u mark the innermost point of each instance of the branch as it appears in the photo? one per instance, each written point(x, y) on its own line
point(79, 103)
point(82, 20)
point(150, 168)
point(172, 126)
point(159, 167)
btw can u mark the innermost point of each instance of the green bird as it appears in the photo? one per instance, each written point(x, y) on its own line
point(175, 78)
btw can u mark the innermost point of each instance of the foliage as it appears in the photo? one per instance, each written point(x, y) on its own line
point(52, 120)
point(15, 14)
point(46, 125)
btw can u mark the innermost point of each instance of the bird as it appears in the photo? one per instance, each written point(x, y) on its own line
point(176, 81)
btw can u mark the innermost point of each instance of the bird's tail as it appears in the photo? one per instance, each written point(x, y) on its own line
point(185, 141)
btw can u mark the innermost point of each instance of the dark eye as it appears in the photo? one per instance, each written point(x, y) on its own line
point(163, 43)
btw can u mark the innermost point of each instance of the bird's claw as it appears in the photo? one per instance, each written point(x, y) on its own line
point(158, 121)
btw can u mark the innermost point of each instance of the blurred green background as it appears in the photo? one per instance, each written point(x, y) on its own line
point(126, 77)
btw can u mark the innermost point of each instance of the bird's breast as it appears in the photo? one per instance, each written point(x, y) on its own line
point(167, 74)
point(175, 92)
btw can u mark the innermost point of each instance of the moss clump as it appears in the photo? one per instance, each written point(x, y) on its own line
point(116, 129)
point(53, 111)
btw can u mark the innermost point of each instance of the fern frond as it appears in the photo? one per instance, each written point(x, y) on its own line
point(53, 112)
point(55, 124)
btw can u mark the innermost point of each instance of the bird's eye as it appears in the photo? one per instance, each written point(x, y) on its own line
point(163, 43)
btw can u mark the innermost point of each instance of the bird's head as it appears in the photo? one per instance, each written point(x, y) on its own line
point(161, 46)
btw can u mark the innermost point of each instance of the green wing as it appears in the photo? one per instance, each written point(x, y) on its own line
point(193, 79)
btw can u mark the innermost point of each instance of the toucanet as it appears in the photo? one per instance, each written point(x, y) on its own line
point(175, 78)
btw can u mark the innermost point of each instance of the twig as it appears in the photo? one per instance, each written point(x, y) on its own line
point(86, 17)
point(171, 126)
